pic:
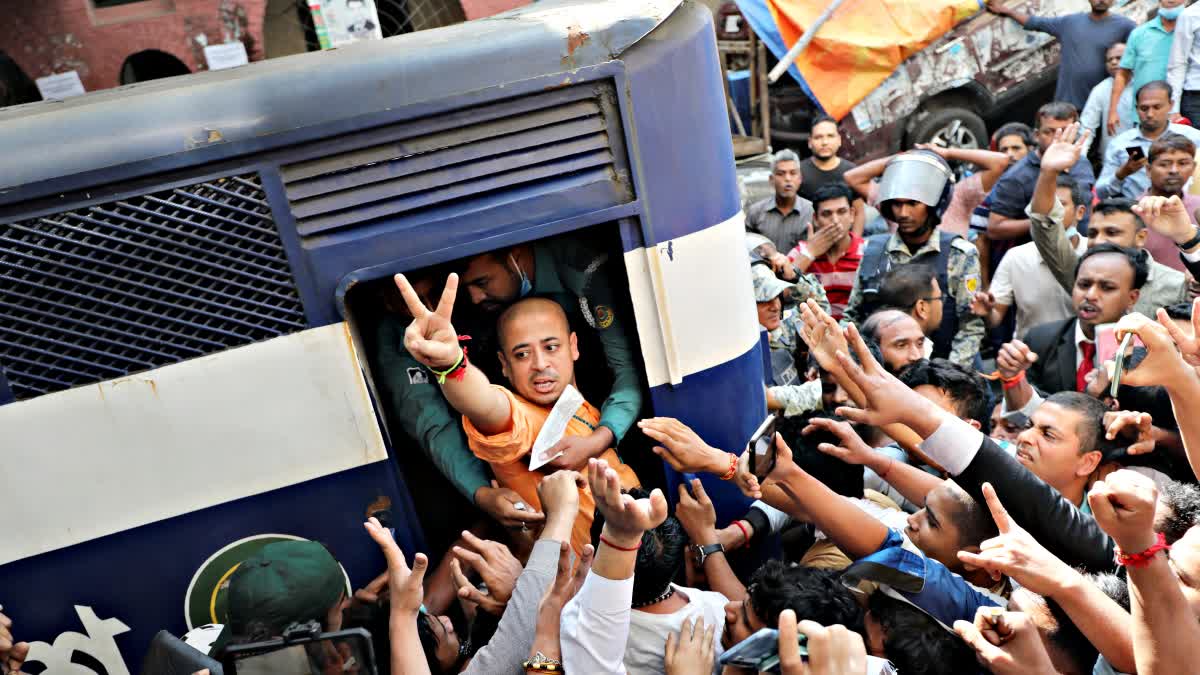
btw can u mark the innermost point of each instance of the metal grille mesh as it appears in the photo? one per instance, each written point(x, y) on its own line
point(107, 290)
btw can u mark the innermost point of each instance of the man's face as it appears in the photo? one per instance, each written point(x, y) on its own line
point(933, 528)
point(1100, 6)
point(786, 179)
point(538, 353)
point(902, 343)
point(1115, 228)
point(1170, 170)
point(1185, 562)
point(910, 215)
point(1050, 447)
point(492, 283)
point(935, 303)
point(835, 213)
point(1153, 109)
point(447, 640)
point(1070, 209)
point(1112, 58)
point(824, 140)
point(1002, 429)
point(833, 395)
point(1047, 127)
point(1103, 291)
point(770, 313)
point(1013, 146)
point(740, 623)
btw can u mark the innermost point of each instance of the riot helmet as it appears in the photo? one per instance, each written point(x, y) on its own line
point(920, 175)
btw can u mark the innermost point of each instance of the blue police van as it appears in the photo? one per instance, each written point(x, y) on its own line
point(180, 378)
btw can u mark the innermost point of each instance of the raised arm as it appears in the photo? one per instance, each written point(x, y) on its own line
point(1177, 65)
point(996, 8)
point(859, 178)
point(432, 340)
point(696, 513)
point(1046, 212)
point(1120, 81)
point(991, 165)
point(910, 481)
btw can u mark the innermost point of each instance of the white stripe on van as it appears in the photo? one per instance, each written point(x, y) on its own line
point(694, 301)
point(100, 459)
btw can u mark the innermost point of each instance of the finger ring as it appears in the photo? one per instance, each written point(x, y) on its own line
point(520, 506)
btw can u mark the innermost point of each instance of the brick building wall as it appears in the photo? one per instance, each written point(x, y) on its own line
point(53, 36)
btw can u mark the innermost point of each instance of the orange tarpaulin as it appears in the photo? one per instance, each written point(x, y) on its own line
point(863, 42)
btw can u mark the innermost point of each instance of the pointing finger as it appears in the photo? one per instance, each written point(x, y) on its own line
point(999, 513)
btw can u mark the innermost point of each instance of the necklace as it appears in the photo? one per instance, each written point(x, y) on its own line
point(666, 594)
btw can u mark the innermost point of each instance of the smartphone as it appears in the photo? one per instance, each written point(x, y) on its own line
point(306, 651)
point(760, 652)
point(1106, 344)
point(1119, 365)
point(762, 448)
point(1136, 153)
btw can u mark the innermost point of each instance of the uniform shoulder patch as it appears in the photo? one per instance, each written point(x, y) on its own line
point(604, 316)
point(962, 244)
point(418, 376)
point(972, 282)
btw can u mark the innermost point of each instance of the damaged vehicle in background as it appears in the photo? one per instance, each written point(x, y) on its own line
point(987, 70)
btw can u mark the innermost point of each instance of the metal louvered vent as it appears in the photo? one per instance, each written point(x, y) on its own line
point(506, 151)
point(107, 290)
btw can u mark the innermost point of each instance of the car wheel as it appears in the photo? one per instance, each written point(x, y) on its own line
point(952, 127)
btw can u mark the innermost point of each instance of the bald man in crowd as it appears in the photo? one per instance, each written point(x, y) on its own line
point(537, 353)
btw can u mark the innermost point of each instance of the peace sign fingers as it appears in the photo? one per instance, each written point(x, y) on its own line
point(415, 306)
point(449, 294)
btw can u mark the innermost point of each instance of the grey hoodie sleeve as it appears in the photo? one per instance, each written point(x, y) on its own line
point(514, 636)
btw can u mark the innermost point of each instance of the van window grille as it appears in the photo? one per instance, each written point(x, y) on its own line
point(103, 291)
point(505, 151)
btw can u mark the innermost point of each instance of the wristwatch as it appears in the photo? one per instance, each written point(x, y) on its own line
point(1190, 242)
point(702, 552)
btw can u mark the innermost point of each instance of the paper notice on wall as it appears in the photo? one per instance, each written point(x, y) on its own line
point(555, 426)
point(60, 86)
point(341, 22)
point(228, 55)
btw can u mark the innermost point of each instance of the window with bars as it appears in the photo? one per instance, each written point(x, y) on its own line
point(103, 291)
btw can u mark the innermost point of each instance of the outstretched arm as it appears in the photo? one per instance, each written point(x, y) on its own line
point(432, 340)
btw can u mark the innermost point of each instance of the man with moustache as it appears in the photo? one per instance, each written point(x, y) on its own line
point(784, 217)
point(1172, 162)
point(1126, 176)
point(914, 193)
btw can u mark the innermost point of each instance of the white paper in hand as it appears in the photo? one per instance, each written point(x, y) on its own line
point(555, 426)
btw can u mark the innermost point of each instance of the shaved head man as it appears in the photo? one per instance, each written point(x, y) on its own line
point(899, 336)
point(537, 349)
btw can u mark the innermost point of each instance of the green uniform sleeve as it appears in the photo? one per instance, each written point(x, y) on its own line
point(415, 400)
point(798, 398)
point(853, 313)
point(585, 273)
point(964, 276)
point(808, 286)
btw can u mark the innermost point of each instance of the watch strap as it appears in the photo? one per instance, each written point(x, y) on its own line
point(1190, 242)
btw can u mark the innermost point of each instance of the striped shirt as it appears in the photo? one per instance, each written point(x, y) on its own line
point(836, 277)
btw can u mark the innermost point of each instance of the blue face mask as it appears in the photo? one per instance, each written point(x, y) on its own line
point(1170, 14)
point(1072, 232)
point(526, 285)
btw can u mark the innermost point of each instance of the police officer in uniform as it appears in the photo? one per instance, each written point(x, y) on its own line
point(762, 252)
point(574, 272)
point(914, 193)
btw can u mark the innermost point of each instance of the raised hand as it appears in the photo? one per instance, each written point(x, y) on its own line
point(1132, 424)
point(823, 239)
point(1015, 553)
point(566, 585)
point(494, 564)
point(1014, 358)
point(625, 518)
point(691, 651)
point(823, 335)
point(1163, 364)
point(696, 513)
point(1189, 345)
point(501, 504)
point(1123, 505)
point(431, 338)
point(683, 448)
point(1006, 642)
point(1167, 216)
point(404, 584)
point(851, 448)
point(982, 303)
point(1066, 149)
point(888, 399)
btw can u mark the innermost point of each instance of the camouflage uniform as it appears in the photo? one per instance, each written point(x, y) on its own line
point(963, 276)
point(790, 390)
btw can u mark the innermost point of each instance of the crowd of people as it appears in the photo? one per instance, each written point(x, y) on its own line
point(967, 473)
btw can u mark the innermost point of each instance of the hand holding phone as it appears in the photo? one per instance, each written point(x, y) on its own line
point(1136, 154)
point(762, 448)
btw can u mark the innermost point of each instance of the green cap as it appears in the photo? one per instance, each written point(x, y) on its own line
point(285, 583)
point(767, 286)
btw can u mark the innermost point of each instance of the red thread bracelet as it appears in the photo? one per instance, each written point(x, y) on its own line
point(1140, 560)
point(745, 533)
point(1011, 382)
point(732, 471)
point(619, 548)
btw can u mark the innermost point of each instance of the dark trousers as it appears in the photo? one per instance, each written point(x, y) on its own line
point(1189, 107)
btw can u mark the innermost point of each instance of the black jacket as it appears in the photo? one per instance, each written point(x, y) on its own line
point(1054, 522)
point(1054, 344)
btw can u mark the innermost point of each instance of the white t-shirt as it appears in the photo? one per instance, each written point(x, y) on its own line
point(648, 632)
point(1024, 280)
